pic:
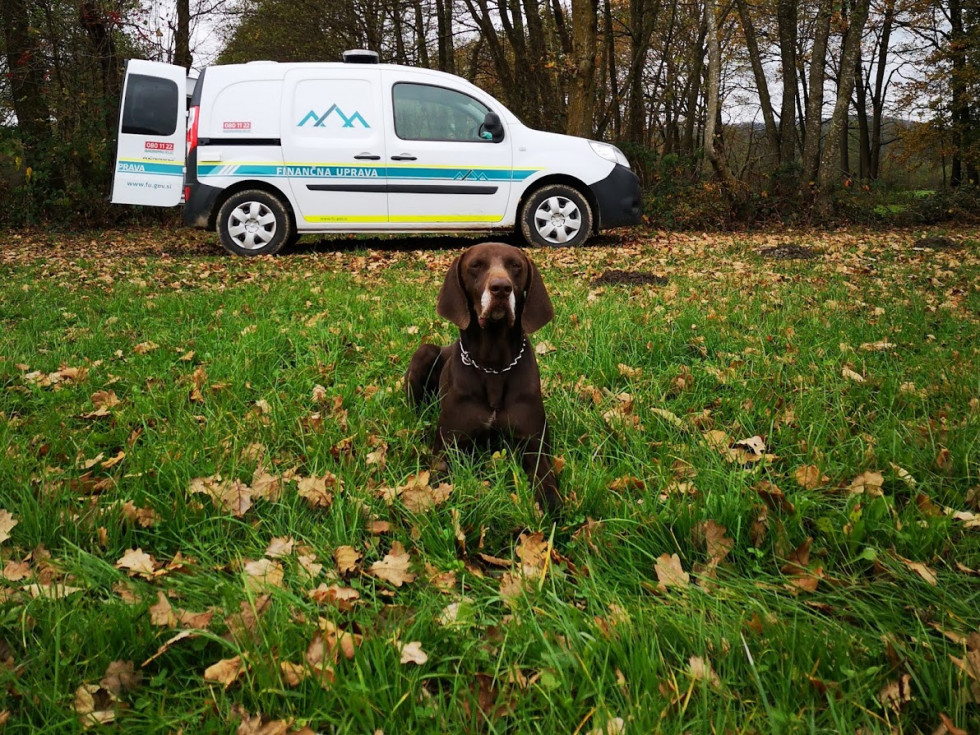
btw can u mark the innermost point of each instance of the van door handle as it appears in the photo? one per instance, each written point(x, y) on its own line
point(367, 157)
point(404, 157)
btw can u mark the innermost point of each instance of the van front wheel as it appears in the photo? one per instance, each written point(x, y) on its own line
point(254, 222)
point(556, 216)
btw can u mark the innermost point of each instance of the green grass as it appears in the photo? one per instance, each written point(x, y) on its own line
point(733, 343)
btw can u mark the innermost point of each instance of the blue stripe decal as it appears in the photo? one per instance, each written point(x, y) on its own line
point(148, 167)
point(348, 173)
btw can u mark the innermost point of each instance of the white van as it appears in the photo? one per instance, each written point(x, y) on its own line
point(274, 151)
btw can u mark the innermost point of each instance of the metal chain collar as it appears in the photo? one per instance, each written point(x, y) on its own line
point(468, 361)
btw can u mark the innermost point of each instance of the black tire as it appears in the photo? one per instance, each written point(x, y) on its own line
point(556, 215)
point(254, 222)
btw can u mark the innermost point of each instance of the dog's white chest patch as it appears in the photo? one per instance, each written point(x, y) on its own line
point(491, 420)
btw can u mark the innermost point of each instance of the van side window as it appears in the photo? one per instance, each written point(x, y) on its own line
point(425, 112)
point(150, 107)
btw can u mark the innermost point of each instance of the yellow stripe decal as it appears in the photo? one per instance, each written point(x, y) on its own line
point(402, 218)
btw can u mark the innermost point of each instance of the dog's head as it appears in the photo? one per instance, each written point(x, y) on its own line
point(496, 284)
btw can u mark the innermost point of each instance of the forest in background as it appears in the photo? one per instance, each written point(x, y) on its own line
point(731, 111)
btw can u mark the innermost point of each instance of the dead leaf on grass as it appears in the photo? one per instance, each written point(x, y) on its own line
point(670, 573)
point(262, 574)
point(614, 726)
point(774, 497)
point(225, 672)
point(394, 568)
point(136, 561)
point(927, 574)
point(7, 523)
point(412, 653)
point(347, 559)
point(280, 547)
point(809, 477)
point(318, 490)
point(121, 678)
point(700, 670)
point(867, 483)
point(334, 594)
point(895, 694)
point(94, 705)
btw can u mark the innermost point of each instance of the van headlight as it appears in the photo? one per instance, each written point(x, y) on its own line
point(610, 152)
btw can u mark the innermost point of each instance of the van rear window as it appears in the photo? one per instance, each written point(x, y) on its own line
point(150, 107)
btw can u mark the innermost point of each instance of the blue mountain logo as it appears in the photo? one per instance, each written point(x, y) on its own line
point(319, 120)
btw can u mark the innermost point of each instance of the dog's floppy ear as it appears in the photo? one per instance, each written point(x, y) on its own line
point(538, 310)
point(452, 303)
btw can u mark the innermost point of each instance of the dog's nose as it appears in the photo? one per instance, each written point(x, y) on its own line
point(501, 287)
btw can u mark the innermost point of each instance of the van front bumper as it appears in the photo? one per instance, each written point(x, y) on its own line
point(619, 199)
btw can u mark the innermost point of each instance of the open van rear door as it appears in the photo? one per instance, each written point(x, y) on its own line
point(152, 133)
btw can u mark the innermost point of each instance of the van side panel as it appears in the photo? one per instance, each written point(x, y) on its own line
point(238, 133)
point(333, 143)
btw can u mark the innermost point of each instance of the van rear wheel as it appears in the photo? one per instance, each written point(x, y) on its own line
point(254, 222)
point(556, 216)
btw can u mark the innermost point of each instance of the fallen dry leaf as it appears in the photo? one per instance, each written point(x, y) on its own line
point(717, 543)
point(774, 497)
point(121, 678)
point(95, 705)
point(225, 672)
point(135, 561)
point(7, 523)
point(394, 567)
point(279, 547)
point(317, 490)
point(162, 612)
point(809, 477)
point(700, 670)
point(867, 483)
point(896, 693)
point(922, 570)
point(670, 573)
point(412, 653)
point(347, 559)
point(343, 597)
point(262, 574)
point(614, 726)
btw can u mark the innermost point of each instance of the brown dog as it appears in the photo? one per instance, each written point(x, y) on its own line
point(487, 381)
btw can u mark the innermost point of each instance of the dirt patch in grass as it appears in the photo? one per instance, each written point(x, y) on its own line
point(937, 243)
point(629, 278)
point(789, 252)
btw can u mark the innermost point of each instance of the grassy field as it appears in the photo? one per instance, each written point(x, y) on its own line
point(215, 513)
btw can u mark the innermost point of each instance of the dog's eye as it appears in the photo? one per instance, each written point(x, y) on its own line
point(513, 265)
point(477, 265)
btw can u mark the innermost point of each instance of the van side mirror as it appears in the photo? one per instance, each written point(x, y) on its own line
point(492, 128)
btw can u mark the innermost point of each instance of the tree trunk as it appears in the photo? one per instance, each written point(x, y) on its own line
point(786, 17)
point(581, 100)
point(878, 94)
point(98, 27)
point(864, 131)
point(959, 94)
point(693, 89)
point(761, 83)
point(713, 102)
point(830, 161)
point(814, 102)
point(422, 46)
point(444, 29)
point(642, 17)
point(182, 35)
